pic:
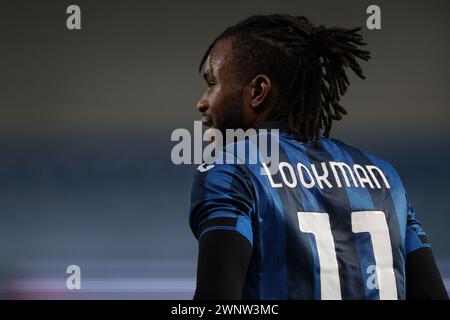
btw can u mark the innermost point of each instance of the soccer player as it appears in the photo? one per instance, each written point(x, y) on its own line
point(333, 222)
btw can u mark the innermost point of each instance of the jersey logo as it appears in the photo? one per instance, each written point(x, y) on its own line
point(203, 167)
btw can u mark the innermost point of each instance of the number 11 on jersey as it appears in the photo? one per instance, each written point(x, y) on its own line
point(373, 222)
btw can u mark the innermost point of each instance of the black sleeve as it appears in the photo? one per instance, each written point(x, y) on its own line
point(423, 280)
point(223, 260)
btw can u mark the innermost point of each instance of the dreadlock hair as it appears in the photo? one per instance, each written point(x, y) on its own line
point(306, 63)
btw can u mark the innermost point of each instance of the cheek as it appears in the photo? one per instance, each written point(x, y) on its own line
point(215, 99)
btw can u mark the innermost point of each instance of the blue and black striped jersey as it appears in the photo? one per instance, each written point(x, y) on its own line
point(332, 222)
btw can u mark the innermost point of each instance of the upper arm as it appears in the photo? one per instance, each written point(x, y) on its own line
point(222, 265)
point(423, 280)
point(222, 207)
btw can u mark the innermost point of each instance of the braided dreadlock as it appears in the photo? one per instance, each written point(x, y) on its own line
point(307, 62)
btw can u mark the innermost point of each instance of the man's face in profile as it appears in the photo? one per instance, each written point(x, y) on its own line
point(222, 103)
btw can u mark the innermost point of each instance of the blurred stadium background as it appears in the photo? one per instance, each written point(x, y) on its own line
point(86, 118)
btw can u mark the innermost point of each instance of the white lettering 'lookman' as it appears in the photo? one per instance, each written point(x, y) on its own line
point(327, 175)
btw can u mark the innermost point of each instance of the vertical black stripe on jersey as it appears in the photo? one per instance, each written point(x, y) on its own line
point(337, 205)
point(299, 258)
point(382, 201)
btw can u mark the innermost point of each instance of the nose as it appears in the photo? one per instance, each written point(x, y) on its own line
point(202, 104)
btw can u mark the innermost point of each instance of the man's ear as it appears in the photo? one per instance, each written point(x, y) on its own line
point(260, 89)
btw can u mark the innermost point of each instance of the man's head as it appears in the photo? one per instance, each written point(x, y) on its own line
point(279, 67)
point(231, 101)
